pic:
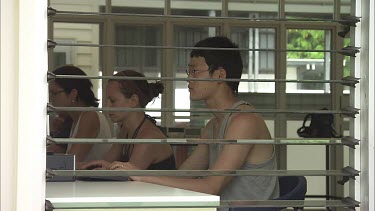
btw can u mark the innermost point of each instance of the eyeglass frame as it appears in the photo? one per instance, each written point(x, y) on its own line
point(193, 72)
point(53, 94)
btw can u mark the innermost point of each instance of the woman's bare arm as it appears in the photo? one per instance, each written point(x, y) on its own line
point(89, 126)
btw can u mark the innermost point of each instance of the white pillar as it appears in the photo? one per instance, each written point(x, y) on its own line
point(363, 157)
point(8, 62)
point(23, 104)
point(367, 59)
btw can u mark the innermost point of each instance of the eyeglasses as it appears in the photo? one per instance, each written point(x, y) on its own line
point(53, 94)
point(194, 72)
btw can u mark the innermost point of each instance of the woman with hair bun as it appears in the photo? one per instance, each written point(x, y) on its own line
point(135, 125)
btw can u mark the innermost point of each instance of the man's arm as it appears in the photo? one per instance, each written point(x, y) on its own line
point(198, 159)
point(232, 157)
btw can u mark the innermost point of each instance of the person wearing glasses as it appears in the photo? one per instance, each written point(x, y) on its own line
point(217, 94)
point(70, 92)
point(135, 125)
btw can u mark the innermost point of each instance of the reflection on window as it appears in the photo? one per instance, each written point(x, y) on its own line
point(83, 57)
point(63, 55)
point(309, 9)
point(77, 5)
point(196, 8)
point(138, 7)
point(302, 65)
point(59, 58)
point(145, 60)
point(258, 64)
point(347, 66)
point(253, 9)
point(309, 70)
point(345, 7)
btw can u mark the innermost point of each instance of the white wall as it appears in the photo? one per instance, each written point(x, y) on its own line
point(365, 99)
point(23, 104)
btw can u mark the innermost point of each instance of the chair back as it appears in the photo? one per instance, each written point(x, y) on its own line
point(291, 188)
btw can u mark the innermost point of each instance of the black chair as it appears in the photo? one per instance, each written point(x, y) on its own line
point(291, 188)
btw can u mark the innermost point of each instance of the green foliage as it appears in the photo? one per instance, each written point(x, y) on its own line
point(299, 39)
point(346, 59)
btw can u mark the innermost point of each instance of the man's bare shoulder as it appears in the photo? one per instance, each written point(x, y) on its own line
point(210, 123)
point(247, 125)
point(206, 129)
point(249, 119)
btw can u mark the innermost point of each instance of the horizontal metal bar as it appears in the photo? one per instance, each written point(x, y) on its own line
point(350, 81)
point(52, 11)
point(223, 204)
point(53, 44)
point(50, 141)
point(349, 112)
point(288, 203)
point(350, 141)
point(192, 141)
point(49, 174)
point(48, 206)
point(349, 170)
point(197, 173)
point(344, 81)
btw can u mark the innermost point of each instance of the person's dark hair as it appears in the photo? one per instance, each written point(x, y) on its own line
point(83, 86)
point(146, 91)
point(230, 60)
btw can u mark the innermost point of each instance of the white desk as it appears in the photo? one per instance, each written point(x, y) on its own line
point(108, 195)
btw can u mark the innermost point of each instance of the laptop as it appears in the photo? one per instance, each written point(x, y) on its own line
point(103, 178)
point(67, 162)
point(60, 161)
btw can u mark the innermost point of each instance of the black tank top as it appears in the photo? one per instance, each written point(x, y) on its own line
point(166, 164)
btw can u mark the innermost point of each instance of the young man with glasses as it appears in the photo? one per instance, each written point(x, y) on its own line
point(216, 65)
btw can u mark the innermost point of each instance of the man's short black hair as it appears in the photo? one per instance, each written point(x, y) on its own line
point(230, 60)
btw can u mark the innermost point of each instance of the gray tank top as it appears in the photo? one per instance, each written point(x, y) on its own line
point(245, 187)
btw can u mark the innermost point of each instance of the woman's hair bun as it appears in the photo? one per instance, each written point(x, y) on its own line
point(156, 89)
